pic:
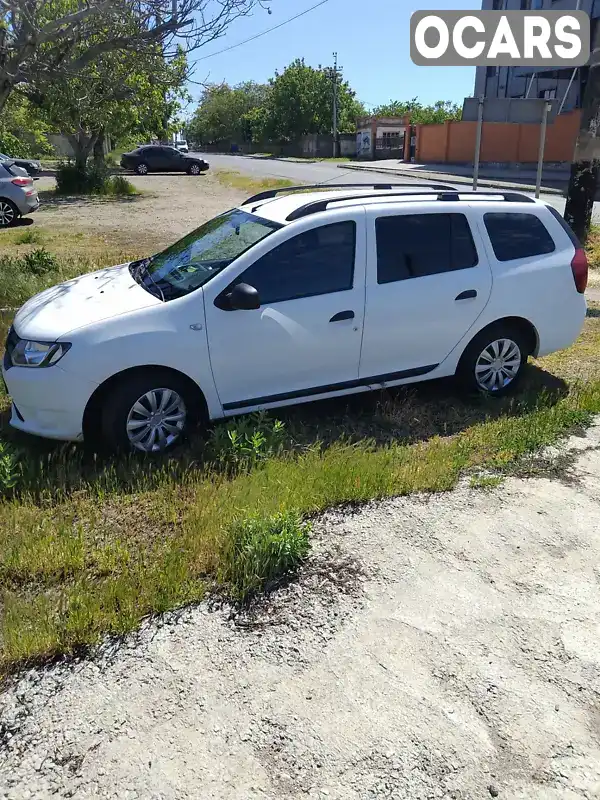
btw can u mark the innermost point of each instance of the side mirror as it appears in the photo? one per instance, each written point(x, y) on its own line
point(244, 297)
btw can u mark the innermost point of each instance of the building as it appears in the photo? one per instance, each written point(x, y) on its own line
point(566, 85)
point(383, 137)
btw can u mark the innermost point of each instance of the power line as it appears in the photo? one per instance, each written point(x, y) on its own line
point(258, 35)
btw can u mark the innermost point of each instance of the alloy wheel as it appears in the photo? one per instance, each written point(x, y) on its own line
point(195, 169)
point(156, 420)
point(498, 365)
point(7, 214)
point(142, 169)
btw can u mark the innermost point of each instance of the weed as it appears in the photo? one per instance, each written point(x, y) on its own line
point(261, 550)
point(9, 469)
point(244, 182)
point(485, 481)
point(247, 441)
point(31, 236)
point(40, 262)
point(119, 186)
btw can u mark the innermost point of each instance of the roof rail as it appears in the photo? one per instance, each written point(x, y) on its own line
point(270, 193)
point(321, 205)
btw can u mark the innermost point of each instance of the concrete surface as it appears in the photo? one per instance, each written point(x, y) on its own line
point(434, 647)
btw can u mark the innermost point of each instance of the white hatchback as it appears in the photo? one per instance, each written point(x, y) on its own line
point(297, 297)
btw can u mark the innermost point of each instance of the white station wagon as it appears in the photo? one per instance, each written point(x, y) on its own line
point(298, 296)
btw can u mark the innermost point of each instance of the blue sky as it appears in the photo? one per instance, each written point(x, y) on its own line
point(371, 38)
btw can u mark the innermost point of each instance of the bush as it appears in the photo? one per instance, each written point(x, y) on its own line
point(119, 186)
point(260, 551)
point(39, 262)
point(71, 179)
point(9, 469)
point(246, 442)
point(92, 179)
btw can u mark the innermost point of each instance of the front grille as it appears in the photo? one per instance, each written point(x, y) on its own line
point(11, 343)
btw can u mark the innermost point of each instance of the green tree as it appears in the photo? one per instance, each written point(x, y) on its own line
point(22, 129)
point(222, 112)
point(300, 101)
point(119, 95)
point(440, 111)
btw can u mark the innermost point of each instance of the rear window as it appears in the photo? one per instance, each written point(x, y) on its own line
point(517, 235)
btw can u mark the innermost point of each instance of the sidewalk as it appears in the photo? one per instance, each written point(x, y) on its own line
point(554, 181)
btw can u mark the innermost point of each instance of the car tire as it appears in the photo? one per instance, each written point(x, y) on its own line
point(494, 362)
point(141, 168)
point(131, 419)
point(194, 169)
point(9, 213)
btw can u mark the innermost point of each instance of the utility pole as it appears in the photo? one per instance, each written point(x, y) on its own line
point(335, 105)
point(586, 161)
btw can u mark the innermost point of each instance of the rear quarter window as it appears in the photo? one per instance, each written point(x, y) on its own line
point(517, 235)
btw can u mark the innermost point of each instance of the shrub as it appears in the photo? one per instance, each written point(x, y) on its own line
point(31, 236)
point(39, 262)
point(260, 551)
point(119, 185)
point(72, 179)
point(246, 441)
point(9, 468)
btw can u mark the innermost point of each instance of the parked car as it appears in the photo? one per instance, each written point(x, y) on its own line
point(182, 146)
point(17, 193)
point(293, 298)
point(162, 158)
point(31, 165)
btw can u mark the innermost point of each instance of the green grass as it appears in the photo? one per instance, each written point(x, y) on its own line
point(236, 180)
point(91, 545)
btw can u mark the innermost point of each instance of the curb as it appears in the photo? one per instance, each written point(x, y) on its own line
point(439, 176)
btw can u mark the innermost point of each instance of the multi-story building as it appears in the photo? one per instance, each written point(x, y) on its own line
point(536, 82)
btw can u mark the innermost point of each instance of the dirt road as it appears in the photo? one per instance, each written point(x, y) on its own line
point(442, 647)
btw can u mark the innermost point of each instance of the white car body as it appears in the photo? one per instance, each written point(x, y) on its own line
point(182, 147)
point(288, 352)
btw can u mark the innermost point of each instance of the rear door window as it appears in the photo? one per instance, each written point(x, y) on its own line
point(417, 245)
point(517, 235)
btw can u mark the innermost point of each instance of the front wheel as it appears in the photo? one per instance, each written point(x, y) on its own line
point(8, 213)
point(194, 169)
point(494, 362)
point(147, 413)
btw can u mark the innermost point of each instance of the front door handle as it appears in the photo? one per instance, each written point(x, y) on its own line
point(342, 316)
point(468, 295)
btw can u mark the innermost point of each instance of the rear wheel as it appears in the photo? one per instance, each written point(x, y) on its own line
point(148, 413)
point(493, 363)
point(141, 168)
point(8, 213)
point(194, 169)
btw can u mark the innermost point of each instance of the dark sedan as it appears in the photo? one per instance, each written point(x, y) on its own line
point(30, 165)
point(162, 158)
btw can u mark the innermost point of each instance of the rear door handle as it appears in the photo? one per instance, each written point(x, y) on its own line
point(468, 295)
point(342, 316)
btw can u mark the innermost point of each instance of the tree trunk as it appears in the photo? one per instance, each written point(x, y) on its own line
point(99, 148)
point(82, 144)
point(586, 161)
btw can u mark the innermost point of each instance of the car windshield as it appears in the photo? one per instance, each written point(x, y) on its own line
point(192, 261)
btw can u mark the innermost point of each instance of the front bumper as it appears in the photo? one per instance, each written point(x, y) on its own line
point(48, 402)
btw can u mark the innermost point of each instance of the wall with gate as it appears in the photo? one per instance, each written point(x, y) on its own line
point(501, 142)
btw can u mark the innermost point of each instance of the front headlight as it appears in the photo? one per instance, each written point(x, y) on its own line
point(37, 354)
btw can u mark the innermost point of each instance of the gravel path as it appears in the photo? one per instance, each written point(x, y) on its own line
point(169, 206)
point(441, 647)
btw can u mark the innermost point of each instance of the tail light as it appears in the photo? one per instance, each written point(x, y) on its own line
point(22, 181)
point(579, 265)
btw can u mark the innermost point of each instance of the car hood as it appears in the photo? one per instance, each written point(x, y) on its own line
point(82, 301)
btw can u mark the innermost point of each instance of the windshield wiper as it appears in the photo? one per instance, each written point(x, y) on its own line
point(139, 271)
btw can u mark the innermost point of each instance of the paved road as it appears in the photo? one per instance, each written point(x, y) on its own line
point(323, 172)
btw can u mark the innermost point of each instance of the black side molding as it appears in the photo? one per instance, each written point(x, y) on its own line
point(331, 387)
